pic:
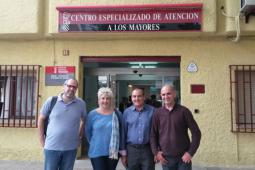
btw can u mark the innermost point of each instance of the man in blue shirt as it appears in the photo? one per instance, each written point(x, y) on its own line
point(136, 126)
point(65, 128)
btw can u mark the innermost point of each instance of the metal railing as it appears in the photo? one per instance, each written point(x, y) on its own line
point(242, 87)
point(19, 93)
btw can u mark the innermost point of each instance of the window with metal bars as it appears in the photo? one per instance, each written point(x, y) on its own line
point(242, 80)
point(19, 89)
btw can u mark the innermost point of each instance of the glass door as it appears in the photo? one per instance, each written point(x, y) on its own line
point(92, 84)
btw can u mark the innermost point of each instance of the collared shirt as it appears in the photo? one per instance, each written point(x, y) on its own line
point(137, 125)
point(169, 132)
point(64, 123)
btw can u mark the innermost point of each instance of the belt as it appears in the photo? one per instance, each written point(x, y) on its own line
point(139, 146)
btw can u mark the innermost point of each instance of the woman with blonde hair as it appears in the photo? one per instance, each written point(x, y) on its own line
point(103, 132)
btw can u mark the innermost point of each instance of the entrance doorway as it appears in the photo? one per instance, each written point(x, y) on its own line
point(126, 73)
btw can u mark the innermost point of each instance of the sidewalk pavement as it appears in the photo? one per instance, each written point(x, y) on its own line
point(86, 165)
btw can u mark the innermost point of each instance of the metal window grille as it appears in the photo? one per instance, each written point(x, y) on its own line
point(242, 86)
point(19, 93)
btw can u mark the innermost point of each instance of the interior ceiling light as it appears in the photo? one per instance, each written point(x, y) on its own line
point(143, 64)
point(149, 66)
point(135, 66)
point(138, 63)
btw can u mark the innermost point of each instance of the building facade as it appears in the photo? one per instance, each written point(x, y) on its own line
point(212, 66)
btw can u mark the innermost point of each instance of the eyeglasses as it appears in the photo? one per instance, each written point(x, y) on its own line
point(71, 86)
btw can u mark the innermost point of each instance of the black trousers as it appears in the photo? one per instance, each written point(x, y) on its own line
point(176, 163)
point(140, 157)
point(104, 163)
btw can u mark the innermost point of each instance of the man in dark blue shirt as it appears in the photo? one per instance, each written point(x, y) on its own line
point(137, 124)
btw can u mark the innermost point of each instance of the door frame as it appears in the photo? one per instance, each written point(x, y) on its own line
point(137, 58)
point(109, 59)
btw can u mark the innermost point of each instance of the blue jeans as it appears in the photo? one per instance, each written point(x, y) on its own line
point(104, 163)
point(59, 160)
point(176, 163)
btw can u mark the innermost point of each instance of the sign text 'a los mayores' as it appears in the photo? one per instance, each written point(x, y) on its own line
point(130, 19)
